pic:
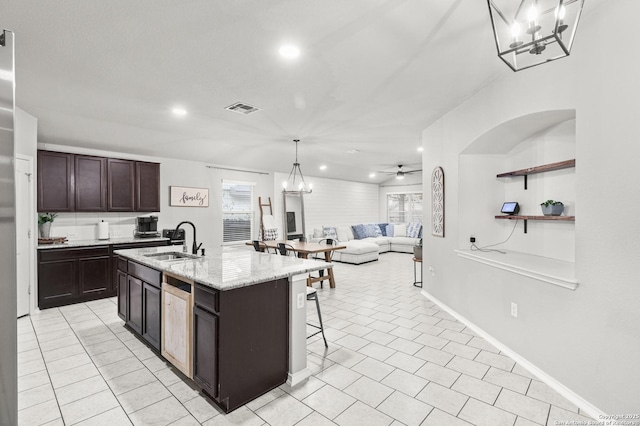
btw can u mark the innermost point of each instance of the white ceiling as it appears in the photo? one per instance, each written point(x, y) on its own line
point(372, 75)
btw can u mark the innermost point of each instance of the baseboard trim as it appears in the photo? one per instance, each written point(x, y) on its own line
point(298, 376)
point(584, 405)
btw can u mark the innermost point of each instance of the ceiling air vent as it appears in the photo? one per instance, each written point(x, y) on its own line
point(241, 108)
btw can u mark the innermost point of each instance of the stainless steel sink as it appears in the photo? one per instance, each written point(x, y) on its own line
point(174, 255)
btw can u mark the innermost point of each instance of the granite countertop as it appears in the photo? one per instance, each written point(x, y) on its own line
point(96, 242)
point(227, 268)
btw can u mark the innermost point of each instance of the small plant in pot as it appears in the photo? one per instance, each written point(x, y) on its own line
point(417, 249)
point(552, 208)
point(44, 223)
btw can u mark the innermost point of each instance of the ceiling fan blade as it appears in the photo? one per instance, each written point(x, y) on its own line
point(412, 171)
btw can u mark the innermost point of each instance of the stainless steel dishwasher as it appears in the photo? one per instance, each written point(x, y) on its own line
point(177, 322)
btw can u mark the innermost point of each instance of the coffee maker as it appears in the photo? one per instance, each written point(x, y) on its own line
point(147, 226)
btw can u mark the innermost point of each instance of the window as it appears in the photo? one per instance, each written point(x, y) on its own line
point(237, 211)
point(404, 208)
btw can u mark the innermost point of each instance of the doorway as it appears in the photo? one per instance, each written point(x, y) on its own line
point(25, 236)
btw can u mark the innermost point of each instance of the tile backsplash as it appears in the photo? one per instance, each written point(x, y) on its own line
point(84, 226)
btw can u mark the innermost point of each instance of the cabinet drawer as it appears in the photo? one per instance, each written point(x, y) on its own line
point(122, 264)
point(149, 275)
point(206, 298)
point(66, 253)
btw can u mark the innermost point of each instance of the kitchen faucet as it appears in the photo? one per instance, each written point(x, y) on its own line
point(195, 247)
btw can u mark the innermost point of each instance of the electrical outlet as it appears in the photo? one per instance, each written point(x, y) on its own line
point(301, 300)
point(71, 234)
point(514, 310)
point(472, 239)
point(432, 270)
point(116, 233)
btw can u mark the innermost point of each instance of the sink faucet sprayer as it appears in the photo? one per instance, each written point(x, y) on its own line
point(195, 247)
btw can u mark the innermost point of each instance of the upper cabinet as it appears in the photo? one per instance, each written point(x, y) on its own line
point(121, 185)
point(83, 183)
point(147, 187)
point(90, 183)
point(55, 182)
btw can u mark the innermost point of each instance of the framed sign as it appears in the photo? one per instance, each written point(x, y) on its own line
point(182, 196)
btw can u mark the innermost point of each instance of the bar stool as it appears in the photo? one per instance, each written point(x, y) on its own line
point(312, 294)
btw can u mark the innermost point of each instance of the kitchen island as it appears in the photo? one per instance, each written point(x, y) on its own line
point(233, 321)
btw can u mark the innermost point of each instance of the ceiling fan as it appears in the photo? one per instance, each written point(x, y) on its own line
point(401, 172)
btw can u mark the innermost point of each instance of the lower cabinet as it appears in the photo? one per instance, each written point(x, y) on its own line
point(151, 302)
point(71, 275)
point(241, 341)
point(134, 299)
point(139, 299)
point(205, 351)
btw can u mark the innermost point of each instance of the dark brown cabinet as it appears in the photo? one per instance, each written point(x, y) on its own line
point(72, 275)
point(90, 183)
point(120, 263)
point(55, 182)
point(140, 300)
point(151, 301)
point(241, 341)
point(147, 186)
point(205, 350)
point(121, 175)
point(84, 183)
point(134, 299)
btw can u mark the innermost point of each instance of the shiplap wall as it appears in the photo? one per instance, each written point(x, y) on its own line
point(333, 202)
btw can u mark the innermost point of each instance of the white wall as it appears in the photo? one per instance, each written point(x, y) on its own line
point(588, 339)
point(333, 202)
point(481, 195)
point(208, 220)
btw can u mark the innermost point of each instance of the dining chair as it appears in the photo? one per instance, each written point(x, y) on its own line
point(286, 249)
point(312, 294)
point(321, 256)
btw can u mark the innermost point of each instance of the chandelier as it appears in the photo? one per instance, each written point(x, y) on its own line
point(533, 32)
point(293, 184)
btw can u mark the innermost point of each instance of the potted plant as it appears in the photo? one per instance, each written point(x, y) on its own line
point(417, 249)
point(552, 208)
point(44, 223)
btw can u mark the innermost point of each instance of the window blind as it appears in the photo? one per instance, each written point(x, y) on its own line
point(237, 211)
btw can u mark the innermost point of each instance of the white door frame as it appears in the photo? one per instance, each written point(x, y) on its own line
point(33, 301)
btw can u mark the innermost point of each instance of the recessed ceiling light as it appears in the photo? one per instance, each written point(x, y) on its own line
point(420, 149)
point(353, 151)
point(372, 175)
point(323, 167)
point(289, 51)
point(179, 111)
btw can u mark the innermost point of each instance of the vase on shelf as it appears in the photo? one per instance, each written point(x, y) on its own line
point(552, 210)
point(45, 230)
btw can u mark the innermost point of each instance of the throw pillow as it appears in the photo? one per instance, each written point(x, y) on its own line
point(378, 231)
point(329, 232)
point(370, 230)
point(270, 234)
point(343, 234)
point(359, 232)
point(413, 230)
point(350, 235)
point(400, 230)
point(389, 231)
point(383, 228)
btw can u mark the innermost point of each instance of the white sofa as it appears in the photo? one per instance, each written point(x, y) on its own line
point(366, 249)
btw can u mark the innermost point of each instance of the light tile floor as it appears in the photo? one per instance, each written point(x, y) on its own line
point(393, 358)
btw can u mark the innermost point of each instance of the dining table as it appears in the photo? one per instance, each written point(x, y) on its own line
point(304, 249)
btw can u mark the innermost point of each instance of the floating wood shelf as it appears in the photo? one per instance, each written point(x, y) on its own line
point(515, 217)
point(539, 169)
point(526, 218)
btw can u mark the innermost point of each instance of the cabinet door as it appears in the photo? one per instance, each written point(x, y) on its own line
point(122, 295)
point(94, 276)
point(134, 298)
point(55, 182)
point(57, 282)
point(177, 318)
point(151, 314)
point(120, 191)
point(147, 187)
point(90, 183)
point(205, 351)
